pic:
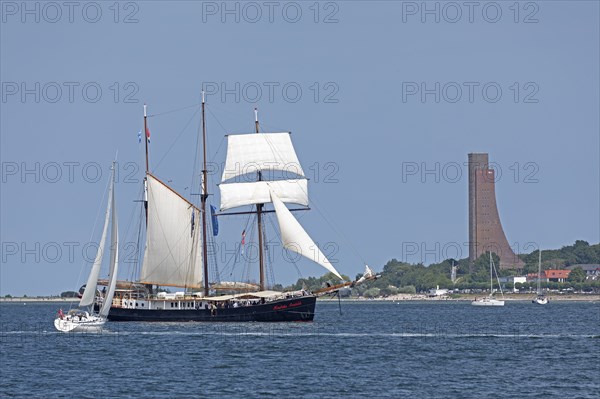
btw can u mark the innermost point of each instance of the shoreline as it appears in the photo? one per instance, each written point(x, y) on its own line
point(38, 299)
point(392, 298)
point(470, 298)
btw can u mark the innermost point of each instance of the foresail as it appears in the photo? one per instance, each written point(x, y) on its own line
point(114, 261)
point(293, 191)
point(89, 294)
point(172, 256)
point(247, 153)
point(295, 238)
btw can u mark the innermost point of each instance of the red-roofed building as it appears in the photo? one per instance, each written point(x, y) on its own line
point(558, 276)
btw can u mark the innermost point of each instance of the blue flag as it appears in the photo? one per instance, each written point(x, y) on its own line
point(193, 225)
point(215, 222)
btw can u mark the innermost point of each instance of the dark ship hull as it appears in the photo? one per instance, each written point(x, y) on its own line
point(294, 309)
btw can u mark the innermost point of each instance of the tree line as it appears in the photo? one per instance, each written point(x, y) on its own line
point(401, 277)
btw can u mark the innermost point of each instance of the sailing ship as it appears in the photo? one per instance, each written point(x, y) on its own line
point(490, 300)
point(540, 299)
point(85, 318)
point(176, 252)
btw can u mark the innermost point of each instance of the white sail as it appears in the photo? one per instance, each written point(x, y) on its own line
point(114, 261)
point(89, 295)
point(367, 275)
point(295, 238)
point(239, 194)
point(171, 256)
point(247, 153)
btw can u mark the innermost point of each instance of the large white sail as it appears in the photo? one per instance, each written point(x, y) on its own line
point(295, 238)
point(114, 260)
point(247, 153)
point(239, 194)
point(89, 294)
point(172, 256)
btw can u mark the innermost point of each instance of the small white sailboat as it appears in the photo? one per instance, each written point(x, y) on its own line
point(81, 320)
point(490, 300)
point(540, 299)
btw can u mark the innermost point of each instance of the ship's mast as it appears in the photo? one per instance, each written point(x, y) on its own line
point(204, 197)
point(147, 168)
point(148, 286)
point(146, 135)
point(259, 208)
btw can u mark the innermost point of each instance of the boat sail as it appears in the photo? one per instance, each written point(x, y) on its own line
point(82, 320)
point(296, 239)
point(171, 254)
point(540, 299)
point(490, 300)
point(176, 247)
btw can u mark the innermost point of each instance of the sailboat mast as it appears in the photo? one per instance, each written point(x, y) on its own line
point(259, 208)
point(204, 197)
point(491, 275)
point(539, 285)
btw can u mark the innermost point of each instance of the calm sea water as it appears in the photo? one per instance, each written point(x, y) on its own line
point(374, 349)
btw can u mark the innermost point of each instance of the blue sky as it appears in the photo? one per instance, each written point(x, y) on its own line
point(384, 103)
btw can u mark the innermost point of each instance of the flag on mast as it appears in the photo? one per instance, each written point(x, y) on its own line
point(243, 240)
point(148, 134)
point(215, 222)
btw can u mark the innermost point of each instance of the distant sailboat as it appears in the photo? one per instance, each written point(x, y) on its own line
point(84, 319)
point(540, 299)
point(490, 300)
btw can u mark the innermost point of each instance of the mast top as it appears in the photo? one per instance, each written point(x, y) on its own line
point(203, 97)
point(256, 115)
point(145, 110)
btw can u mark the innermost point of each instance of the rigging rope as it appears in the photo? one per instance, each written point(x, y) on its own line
point(175, 141)
point(174, 110)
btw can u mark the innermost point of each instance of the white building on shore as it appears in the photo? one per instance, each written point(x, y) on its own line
point(437, 291)
point(513, 280)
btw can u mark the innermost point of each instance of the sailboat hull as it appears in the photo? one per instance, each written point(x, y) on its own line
point(540, 301)
point(294, 309)
point(90, 324)
point(488, 302)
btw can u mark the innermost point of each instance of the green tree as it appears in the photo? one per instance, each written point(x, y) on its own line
point(372, 292)
point(389, 290)
point(577, 275)
point(407, 289)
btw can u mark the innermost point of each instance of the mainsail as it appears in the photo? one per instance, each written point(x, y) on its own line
point(114, 260)
point(295, 238)
point(172, 256)
point(89, 294)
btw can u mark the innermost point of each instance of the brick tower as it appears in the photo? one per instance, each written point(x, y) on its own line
point(485, 229)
